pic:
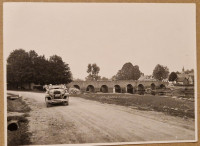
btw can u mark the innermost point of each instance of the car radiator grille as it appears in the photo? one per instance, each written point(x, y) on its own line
point(56, 92)
point(57, 95)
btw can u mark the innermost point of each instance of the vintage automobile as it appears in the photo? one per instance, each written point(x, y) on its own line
point(56, 94)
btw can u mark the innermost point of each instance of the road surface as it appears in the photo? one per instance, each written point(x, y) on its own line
point(85, 121)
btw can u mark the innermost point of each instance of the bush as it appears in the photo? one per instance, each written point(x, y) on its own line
point(74, 91)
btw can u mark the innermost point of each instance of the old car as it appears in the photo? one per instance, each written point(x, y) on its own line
point(56, 94)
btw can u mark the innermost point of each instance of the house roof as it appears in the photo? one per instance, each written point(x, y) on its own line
point(183, 76)
point(181, 79)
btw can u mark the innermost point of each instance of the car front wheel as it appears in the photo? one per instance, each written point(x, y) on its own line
point(66, 103)
point(47, 104)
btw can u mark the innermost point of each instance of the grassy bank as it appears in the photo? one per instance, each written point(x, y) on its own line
point(18, 111)
point(167, 104)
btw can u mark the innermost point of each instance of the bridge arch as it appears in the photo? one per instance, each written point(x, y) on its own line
point(162, 86)
point(153, 86)
point(141, 89)
point(130, 89)
point(90, 88)
point(104, 89)
point(117, 89)
point(77, 87)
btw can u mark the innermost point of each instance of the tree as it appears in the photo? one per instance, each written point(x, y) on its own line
point(189, 71)
point(128, 72)
point(18, 68)
point(104, 79)
point(160, 72)
point(173, 76)
point(32, 66)
point(29, 67)
point(42, 71)
point(93, 71)
point(113, 78)
point(59, 71)
point(89, 70)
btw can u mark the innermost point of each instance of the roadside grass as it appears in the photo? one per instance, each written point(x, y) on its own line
point(17, 105)
point(18, 111)
point(166, 104)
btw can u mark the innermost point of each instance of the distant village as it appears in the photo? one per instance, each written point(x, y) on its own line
point(183, 78)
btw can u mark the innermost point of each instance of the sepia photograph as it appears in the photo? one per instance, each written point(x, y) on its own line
point(99, 73)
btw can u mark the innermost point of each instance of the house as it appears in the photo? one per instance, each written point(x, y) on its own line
point(185, 78)
point(182, 80)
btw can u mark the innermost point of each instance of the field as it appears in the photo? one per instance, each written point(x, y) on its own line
point(173, 105)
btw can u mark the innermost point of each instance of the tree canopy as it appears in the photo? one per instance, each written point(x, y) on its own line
point(93, 71)
point(29, 67)
point(189, 71)
point(173, 76)
point(160, 72)
point(128, 72)
point(104, 79)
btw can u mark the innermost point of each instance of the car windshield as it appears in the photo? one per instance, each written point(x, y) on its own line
point(56, 87)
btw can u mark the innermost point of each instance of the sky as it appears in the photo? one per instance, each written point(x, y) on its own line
point(108, 34)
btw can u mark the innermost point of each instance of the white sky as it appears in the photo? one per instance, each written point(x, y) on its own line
point(108, 34)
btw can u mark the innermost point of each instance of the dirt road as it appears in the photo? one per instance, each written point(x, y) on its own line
point(85, 121)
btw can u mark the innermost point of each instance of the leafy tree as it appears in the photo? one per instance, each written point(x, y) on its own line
point(141, 74)
point(104, 79)
point(89, 70)
point(89, 78)
point(93, 71)
point(32, 66)
point(128, 72)
point(18, 69)
point(59, 71)
point(173, 76)
point(113, 78)
point(189, 71)
point(29, 67)
point(42, 71)
point(160, 72)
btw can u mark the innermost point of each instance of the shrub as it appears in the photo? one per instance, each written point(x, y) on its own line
point(74, 91)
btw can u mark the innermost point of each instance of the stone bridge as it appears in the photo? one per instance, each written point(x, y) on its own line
point(120, 86)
